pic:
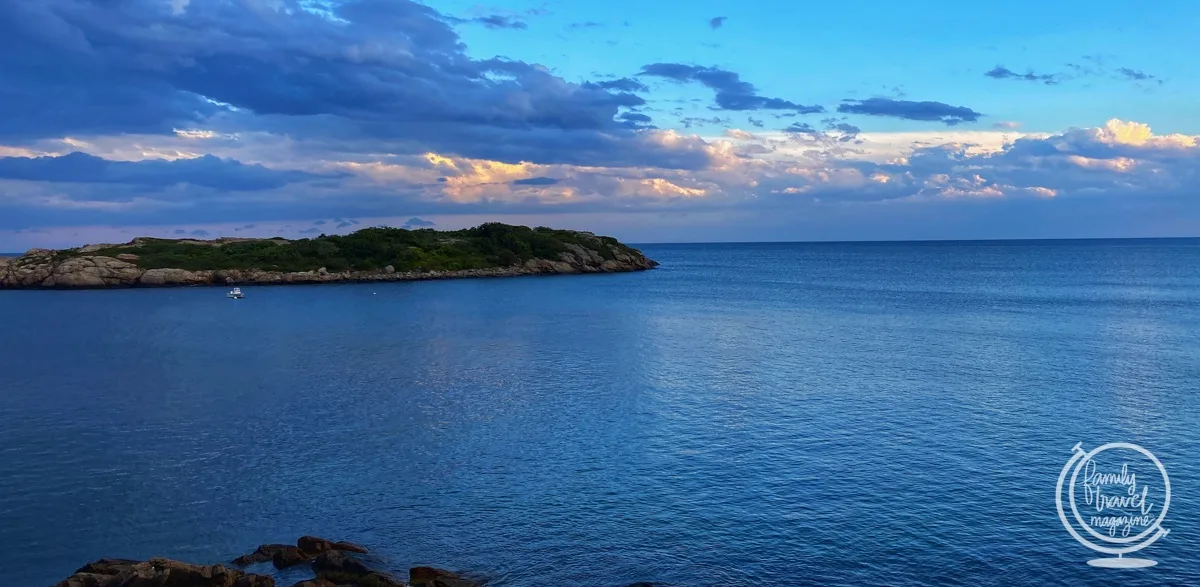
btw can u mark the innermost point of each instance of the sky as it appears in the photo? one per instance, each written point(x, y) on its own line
point(649, 121)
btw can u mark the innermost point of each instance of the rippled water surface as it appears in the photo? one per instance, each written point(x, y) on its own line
point(835, 414)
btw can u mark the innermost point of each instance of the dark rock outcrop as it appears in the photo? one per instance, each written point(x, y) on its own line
point(286, 555)
point(314, 545)
point(161, 572)
point(289, 556)
point(335, 564)
point(435, 577)
point(342, 569)
point(263, 553)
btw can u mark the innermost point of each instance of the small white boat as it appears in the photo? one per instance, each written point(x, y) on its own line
point(235, 294)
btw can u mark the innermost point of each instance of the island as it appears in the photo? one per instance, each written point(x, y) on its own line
point(367, 255)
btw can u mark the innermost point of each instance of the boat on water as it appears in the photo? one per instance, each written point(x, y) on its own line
point(235, 294)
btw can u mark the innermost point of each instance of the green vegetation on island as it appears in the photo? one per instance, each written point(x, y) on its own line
point(489, 245)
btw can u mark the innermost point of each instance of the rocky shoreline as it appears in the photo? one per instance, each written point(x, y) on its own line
point(78, 269)
point(334, 564)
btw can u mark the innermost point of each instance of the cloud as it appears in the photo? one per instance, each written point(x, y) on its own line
point(717, 22)
point(842, 127)
point(625, 84)
point(1001, 72)
point(499, 21)
point(1089, 66)
point(1006, 125)
point(199, 232)
point(690, 121)
point(271, 111)
point(310, 231)
point(1137, 75)
point(536, 181)
point(908, 110)
point(412, 223)
point(731, 92)
point(180, 231)
point(589, 24)
point(636, 117)
point(362, 75)
point(206, 171)
point(1102, 66)
point(907, 179)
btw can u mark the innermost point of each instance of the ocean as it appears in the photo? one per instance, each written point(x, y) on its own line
point(746, 414)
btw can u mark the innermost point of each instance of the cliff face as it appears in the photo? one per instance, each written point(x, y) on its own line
point(76, 268)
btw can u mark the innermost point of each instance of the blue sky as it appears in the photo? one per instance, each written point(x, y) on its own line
point(653, 122)
point(932, 50)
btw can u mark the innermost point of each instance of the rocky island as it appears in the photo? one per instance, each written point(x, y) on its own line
point(370, 254)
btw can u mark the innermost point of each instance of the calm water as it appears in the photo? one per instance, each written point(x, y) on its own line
point(835, 414)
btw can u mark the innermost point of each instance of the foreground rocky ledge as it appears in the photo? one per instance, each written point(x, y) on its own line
point(334, 564)
point(138, 263)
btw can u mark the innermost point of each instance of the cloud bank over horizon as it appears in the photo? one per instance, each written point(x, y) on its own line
point(266, 117)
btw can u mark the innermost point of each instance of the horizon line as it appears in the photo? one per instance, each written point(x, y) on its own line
point(778, 242)
point(923, 241)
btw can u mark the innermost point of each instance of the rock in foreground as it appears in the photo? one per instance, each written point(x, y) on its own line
point(160, 572)
point(371, 254)
point(335, 564)
point(286, 555)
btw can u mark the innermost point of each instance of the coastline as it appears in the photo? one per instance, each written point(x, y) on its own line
point(163, 278)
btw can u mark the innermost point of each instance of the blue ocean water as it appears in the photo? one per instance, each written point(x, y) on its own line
point(766, 414)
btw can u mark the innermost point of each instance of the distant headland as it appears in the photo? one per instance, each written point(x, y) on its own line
point(367, 255)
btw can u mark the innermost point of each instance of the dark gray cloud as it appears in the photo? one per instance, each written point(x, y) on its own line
point(690, 121)
point(199, 232)
point(636, 117)
point(1137, 75)
point(343, 225)
point(206, 171)
point(754, 121)
point(801, 127)
point(909, 110)
point(500, 21)
point(318, 223)
point(624, 84)
point(536, 181)
point(717, 22)
point(589, 24)
point(310, 231)
point(371, 75)
point(844, 127)
point(415, 222)
point(1001, 72)
point(1088, 66)
point(732, 93)
point(180, 231)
